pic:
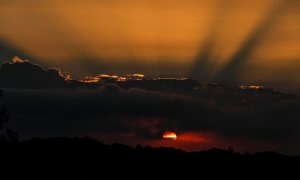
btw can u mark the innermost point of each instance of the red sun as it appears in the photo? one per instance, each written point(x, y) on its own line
point(169, 135)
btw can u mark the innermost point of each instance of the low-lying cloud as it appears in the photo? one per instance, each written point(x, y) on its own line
point(145, 114)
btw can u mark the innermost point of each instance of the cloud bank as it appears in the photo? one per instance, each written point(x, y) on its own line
point(41, 105)
point(24, 74)
point(146, 114)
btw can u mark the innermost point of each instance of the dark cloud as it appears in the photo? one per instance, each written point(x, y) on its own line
point(24, 74)
point(111, 109)
point(41, 103)
point(108, 108)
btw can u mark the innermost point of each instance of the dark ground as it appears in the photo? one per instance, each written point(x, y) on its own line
point(86, 158)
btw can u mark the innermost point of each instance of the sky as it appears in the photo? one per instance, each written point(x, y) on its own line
point(232, 42)
point(160, 38)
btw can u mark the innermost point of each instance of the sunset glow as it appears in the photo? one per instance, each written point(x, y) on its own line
point(158, 37)
point(252, 87)
point(170, 135)
point(206, 73)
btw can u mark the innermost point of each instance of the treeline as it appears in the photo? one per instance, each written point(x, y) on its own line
point(86, 158)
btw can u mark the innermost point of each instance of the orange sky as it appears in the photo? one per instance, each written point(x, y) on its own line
point(157, 37)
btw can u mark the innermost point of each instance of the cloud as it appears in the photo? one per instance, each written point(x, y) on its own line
point(24, 74)
point(146, 114)
point(41, 103)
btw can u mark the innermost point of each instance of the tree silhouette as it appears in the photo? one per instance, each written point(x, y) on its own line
point(6, 135)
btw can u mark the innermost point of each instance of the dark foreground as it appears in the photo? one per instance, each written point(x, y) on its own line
point(86, 158)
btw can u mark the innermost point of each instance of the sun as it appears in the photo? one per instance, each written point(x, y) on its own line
point(169, 135)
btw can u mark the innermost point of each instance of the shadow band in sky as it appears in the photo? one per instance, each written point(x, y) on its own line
point(231, 72)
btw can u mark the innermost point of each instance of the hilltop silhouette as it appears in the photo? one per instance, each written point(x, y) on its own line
point(86, 158)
